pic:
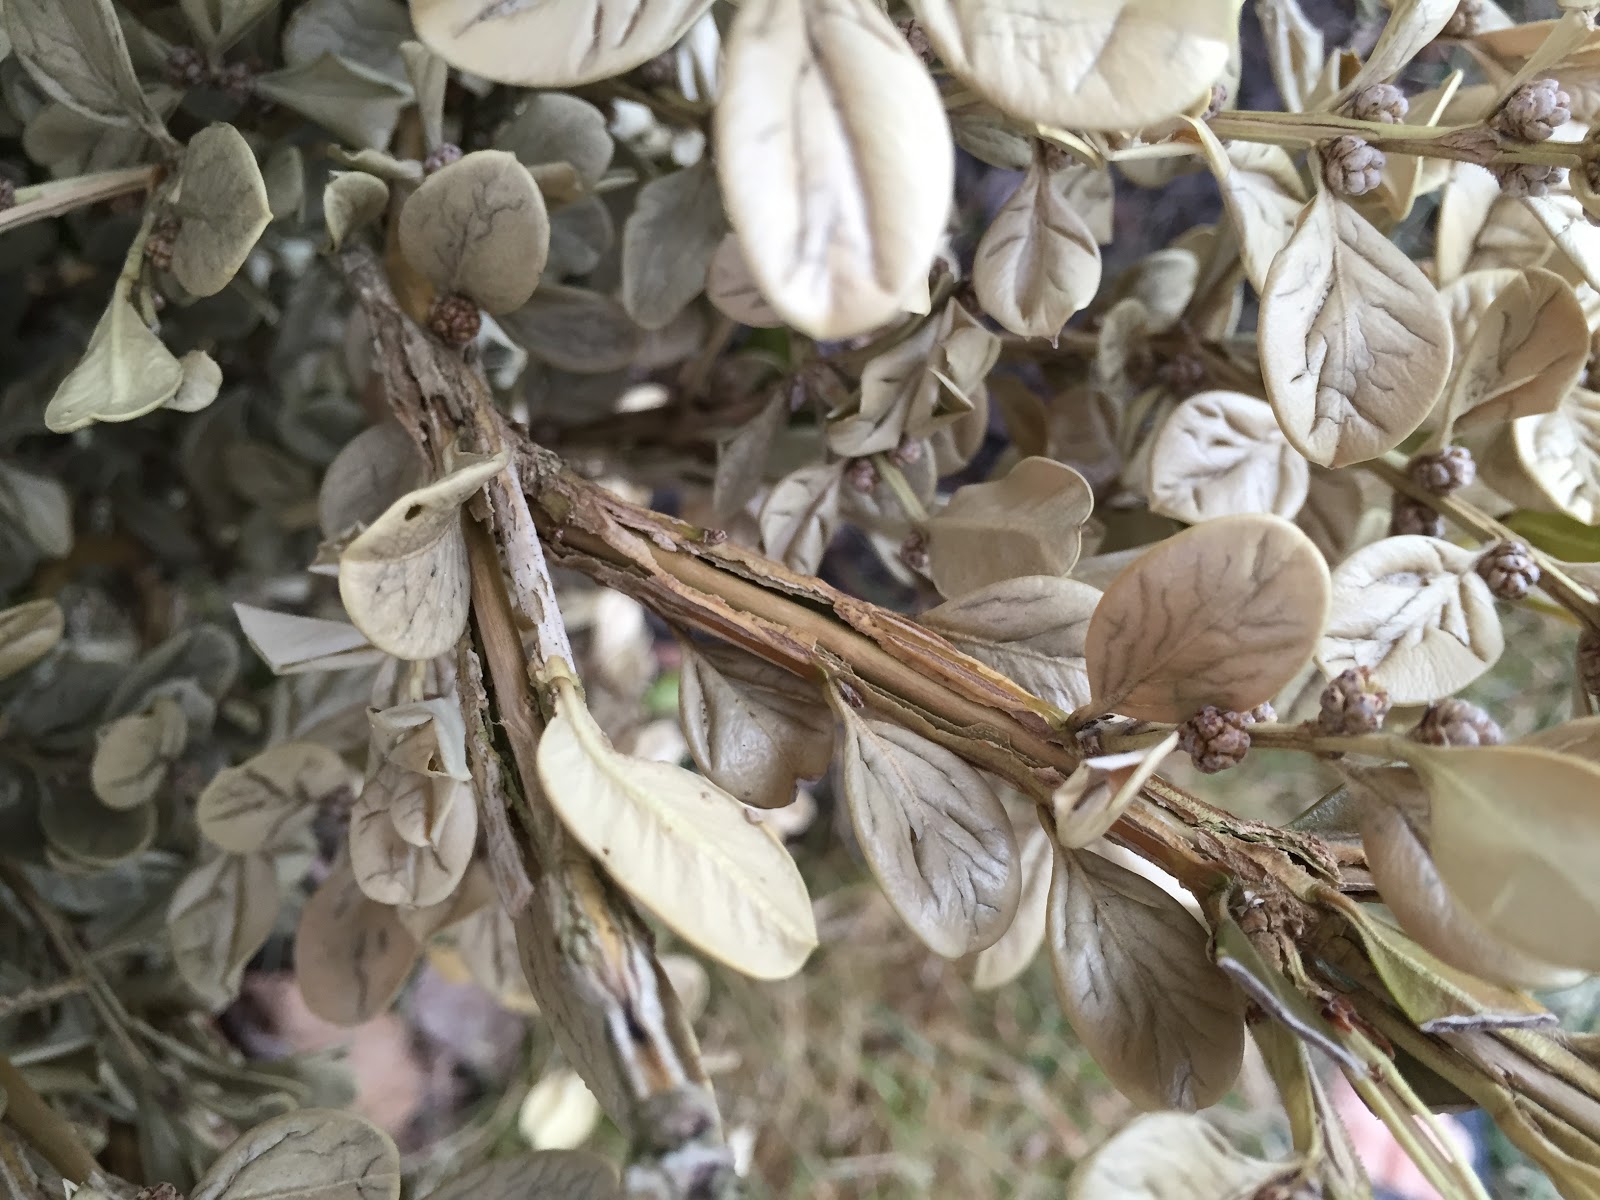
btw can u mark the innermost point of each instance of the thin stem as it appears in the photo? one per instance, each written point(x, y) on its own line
point(64, 195)
point(30, 999)
point(1420, 1150)
point(901, 487)
point(50, 1133)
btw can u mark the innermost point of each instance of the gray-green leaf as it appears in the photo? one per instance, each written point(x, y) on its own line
point(352, 101)
point(667, 243)
point(125, 373)
point(75, 52)
point(312, 1154)
point(222, 206)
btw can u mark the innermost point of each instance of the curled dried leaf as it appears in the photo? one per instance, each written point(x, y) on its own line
point(801, 515)
point(1172, 1156)
point(292, 645)
point(125, 372)
point(1089, 801)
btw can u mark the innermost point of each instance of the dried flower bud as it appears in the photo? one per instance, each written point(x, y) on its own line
point(861, 475)
point(158, 246)
point(1261, 712)
point(454, 319)
point(1409, 516)
point(1183, 374)
point(660, 71)
point(1215, 740)
point(238, 80)
point(907, 452)
point(1533, 112)
point(1464, 24)
point(1380, 102)
point(8, 194)
point(1351, 166)
point(1589, 661)
point(914, 552)
point(186, 67)
point(1528, 179)
point(159, 1191)
point(1456, 723)
point(441, 155)
point(917, 38)
point(1509, 570)
point(1219, 97)
point(1444, 472)
point(1352, 704)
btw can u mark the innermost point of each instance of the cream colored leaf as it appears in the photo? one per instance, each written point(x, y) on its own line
point(679, 845)
point(76, 53)
point(352, 200)
point(1522, 341)
point(417, 871)
point(1089, 802)
point(1030, 629)
point(1137, 983)
point(352, 954)
point(559, 1112)
point(1037, 264)
point(259, 803)
point(375, 468)
point(754, 729)
point(991, 137)
point(475, 895)
point(546, 1175)
point(1414, 612)
point(125, 372)
point(202, 380)
point(292, 645)
point(1412, 25)
point(1569, 227)
point(732, 289)
point(1172, 1156)
point(1514, 831)
point(404, 579)
point(667, 243)
point(478, 227)
point(220, 915)
point(552, 45)
point(1294, 48)
point(1012, 954)
point(801, 515)
point(935, 834)
point(27, 633)
point(427, 737)
point(1220, 454)
point(310, 1154)
point(1560, 451)
point(1355, 344)
point(1481, 228)
point(1096, 64)
point(1340, 513)
point(132, 754)
point(835, 160)
point(1225, 613)
point(1029, 523)
point(1263, 193)
point(221, 207)
point(575, 330)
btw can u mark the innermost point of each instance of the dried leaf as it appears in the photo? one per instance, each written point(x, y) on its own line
point(1029, 523)
point(1355, 344)
point(258, 804)
point(79, 827)
point(1294, 48)
point(559, 1112)
point(1037, 264)
point(75, 53)
point(487, 944)
point(1560, 451)
point(732, 289)
point(680, 845)
point(1263, 193)
point(742, 459)
point(1225, 613)
point(1414, 611)
point(415, 866)
point(222, 208)
point(125, 372)
point(478, 227)
point(801, 515)
point(352, 200)
point(219, 23)
point(352, 954)
point(754, 729)
point(1030, 629)
point(1087, 66)
point(1012, 954)
point(576, 330)
point(552, 45)
point(838, 215)
point(667, 243)
point(935, 834)
point(548, 1175)
point(1220, 454)
point(312, 1154)
point(220, 915)
point(1171, 1156)
point(1087, 804)
point(39, 506)
point(375, 468)
point(369, 32)
point(1412, 25)
point(553, 127)
point(404, 580)
point(27, 633)
point(132, 754)
point(355, 103)
point(202, 380)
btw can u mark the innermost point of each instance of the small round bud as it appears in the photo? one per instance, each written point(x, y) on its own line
point(158, 246)
point(1183, 374)
point(914, 552)
point(1261, 712)
point(1219, 97)
point(454, 319)
point(8, 193)
point(1351, 166)
point(1509, 570)
point(1352, 704)
point(159, 1191)
point(1528, 179)
point(1215, 739)
point(658, 72)
point(1380, 102)
point(1533, 112)
point(909, 451)
point(1456, 723)
point(917, 38)
point(186, 67)
point(861, 475)
point(1444, 472)
point(238, 80)
point(1589, 661)
point(441, 155)
point(1464, 23)
point(1408, 516)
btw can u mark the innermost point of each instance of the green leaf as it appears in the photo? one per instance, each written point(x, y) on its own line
point(1557, 534)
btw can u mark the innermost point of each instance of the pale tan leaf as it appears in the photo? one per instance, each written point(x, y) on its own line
point(1029, 523)
point(1355, 344)
point(404, 579)
point(1087, 65)
point(1560, 451)
point(125, 372)
point(1263, 193)
point(202, 380)
point(359, 105)
point(1481, 228)
point(1341, 513)
point(292, 645)
point(220, 915)
point(835, 160)
point(732, 289)
point(487, 943)
point(478, 227)
point(1138, 985)
point(1294, 48)
point(1412, 25)
point(1220, 454)
point(475, 894)
point(375, 468)
point(352, 954)
point(1578, 239)
point(27, 633)
point(1172, 1156)
point(935, 834)
point(1225, 613)
point(680, 845)
point(1012, 954)
point(754, 729)
point(1030, 629)
point(801, 515)
point(1087, 804)
point(1514, 831)
point(1414, 612)
point(559, 1112)
point(1037, 264)
point(221, 206)
point(311, 1154)
point(546, 1175)
point(257, 804)
point(424, 867)
point(552, 45)
point(991, 137)
point(667, 243)
point(352, 200)
point(132, 754)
